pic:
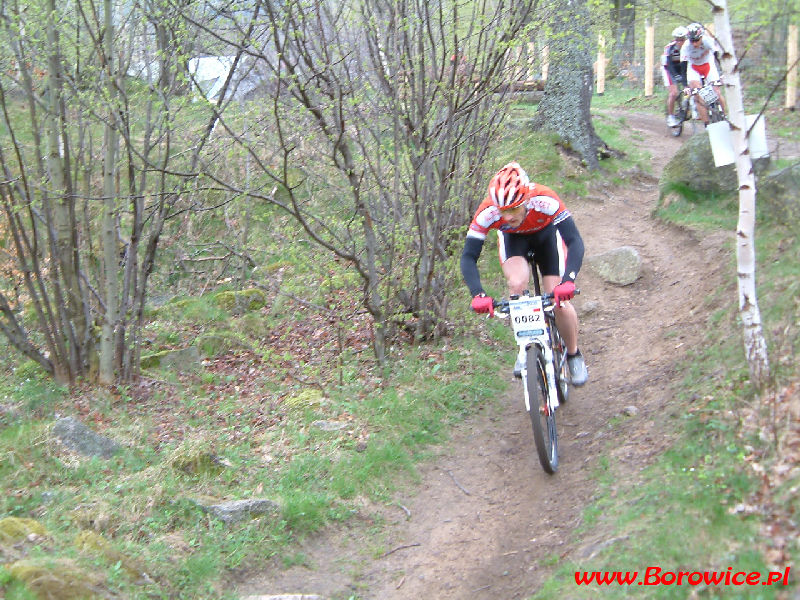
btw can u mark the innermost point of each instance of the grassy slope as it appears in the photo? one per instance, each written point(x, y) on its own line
point(723, 497)
point(244, 426)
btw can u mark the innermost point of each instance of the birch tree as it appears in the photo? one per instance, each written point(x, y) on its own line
point(754, 343)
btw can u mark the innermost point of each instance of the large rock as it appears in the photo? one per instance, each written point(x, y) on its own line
point(777, 194)
point(183, 360)
point(693, 167)
point(239, 510)
point(76, 436)
point(621, 266)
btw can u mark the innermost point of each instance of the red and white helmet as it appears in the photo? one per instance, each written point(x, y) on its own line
point(508, 187)
point(695, 31)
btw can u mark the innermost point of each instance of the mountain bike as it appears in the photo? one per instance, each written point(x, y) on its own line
point(682, 110)
point(545, 376)
point(686, 108)
point(709, 97)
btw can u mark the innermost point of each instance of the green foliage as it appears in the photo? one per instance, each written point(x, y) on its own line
point(216, 343)
point(241, 301)
point(250, 428)
point(143, 506)
point(202, 309)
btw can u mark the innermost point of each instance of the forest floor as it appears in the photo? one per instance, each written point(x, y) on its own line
point(486, 521)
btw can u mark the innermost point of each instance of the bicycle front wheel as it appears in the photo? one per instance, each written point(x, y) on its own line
point(542, 418)
point(560, 360)
point(715, 114)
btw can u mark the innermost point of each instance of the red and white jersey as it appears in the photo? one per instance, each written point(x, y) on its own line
point(699, 55)
point(544, 207)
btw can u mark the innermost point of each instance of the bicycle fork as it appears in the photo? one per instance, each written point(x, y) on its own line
point(550, 374)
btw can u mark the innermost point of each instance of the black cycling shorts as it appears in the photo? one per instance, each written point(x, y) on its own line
point(543, 244)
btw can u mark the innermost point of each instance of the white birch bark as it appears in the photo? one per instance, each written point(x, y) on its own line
point(754, 343)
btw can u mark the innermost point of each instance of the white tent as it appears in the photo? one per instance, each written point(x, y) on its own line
point(210, 73)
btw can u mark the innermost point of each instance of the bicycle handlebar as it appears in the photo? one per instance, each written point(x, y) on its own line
point(695, 91)
point(501, 305)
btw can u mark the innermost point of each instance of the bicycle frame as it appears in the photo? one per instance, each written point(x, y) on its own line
point(708, 97)
point(534, 325)
point(531, 327)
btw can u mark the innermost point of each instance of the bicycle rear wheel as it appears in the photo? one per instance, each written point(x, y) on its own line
point(543, 420)
point(680, 114)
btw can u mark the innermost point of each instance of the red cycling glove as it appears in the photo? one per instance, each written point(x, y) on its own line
point(564, 291)
point(483, 304)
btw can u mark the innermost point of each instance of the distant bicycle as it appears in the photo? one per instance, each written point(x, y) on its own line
point(545, 376)
point(686, 109)
point(708, 96)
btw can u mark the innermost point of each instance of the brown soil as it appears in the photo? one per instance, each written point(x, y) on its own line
point(486, 520)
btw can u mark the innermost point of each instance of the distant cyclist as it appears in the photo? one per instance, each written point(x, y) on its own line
point(528, 217)
point(699, 53)
point(674, 71)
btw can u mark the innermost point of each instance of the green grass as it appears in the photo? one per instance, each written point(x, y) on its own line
point(679, 514)
point(244, 426)
point(145, 497)
point(620, 93)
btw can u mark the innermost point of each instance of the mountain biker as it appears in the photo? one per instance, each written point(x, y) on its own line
point(528, 217)
point(674, 71)
point(700, 53)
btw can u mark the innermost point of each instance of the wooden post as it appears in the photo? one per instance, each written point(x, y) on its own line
point(791, 66)
point(601, 65)
point(545, 61)
point(649, 57)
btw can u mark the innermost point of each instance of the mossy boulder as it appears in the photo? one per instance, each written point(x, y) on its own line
point(173, 308)
point(98, 516)
point(56, 579)
point(195, 457)
point(14, 529)
point(218, 342)
point(183, 360)
point(242, 301)
point(202, 309)
point(304, 399)
point(94, 543)
point(693, 167)
point(778, 197)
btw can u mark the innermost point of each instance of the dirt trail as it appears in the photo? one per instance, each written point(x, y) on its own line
point(486, 517)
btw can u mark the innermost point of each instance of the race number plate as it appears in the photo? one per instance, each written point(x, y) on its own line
point(527, 318)
point(708, 94)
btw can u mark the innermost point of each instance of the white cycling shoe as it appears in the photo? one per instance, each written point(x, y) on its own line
point(672, 121)
point(578, 373)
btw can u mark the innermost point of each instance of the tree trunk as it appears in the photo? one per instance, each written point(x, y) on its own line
point(62, 233)
point(110, 250)
point(565, 106)
point(754, 343)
